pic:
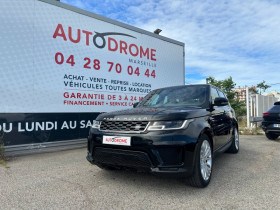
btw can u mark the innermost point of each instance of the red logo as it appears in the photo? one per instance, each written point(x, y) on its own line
point(113, 45)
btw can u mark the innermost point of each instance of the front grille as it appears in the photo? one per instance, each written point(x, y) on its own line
point(131, 126)
point(125, 158)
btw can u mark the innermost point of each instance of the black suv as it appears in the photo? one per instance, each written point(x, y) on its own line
point(174, 130)
point(271, 122)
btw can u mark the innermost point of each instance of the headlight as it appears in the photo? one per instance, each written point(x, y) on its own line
point(168, 125)
point(96, 124)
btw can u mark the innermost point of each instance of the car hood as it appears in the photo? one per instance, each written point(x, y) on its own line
point(153, 114)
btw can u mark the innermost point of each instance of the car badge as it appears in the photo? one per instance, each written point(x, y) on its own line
point(137, 127)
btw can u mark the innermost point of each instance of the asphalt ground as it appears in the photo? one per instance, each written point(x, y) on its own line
point(65, 180)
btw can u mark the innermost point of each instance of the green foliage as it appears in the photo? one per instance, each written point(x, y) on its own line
point(239, 107)
point(212, 81)
point(253, 90)
point(227, 86)
point(262, 86)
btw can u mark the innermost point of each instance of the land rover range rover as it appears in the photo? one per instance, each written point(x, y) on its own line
point(174, 130)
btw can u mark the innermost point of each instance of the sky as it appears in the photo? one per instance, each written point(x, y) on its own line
point(237, 38)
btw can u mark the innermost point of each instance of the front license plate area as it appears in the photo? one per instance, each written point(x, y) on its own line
point(117, 140)
point(276, 125)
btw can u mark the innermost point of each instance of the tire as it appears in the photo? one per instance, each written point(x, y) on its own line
point(203, 167)
point(271, 136)
point(234, 147)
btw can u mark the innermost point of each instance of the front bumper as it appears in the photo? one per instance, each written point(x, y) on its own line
point(161, 152)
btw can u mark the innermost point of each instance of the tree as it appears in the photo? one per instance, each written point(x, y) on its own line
point(263, 86)
point(212, 81)
point(227, 85)
point(253, 90)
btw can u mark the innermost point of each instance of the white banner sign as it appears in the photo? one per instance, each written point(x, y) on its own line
point(57, 60)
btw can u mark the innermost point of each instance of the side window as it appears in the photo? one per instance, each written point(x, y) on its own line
point(155, 99)
point(214, 94)
point(222, 94)
point(165, 100)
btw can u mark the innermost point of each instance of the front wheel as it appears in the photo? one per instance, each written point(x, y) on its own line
point(203, 163)
point(271, 136)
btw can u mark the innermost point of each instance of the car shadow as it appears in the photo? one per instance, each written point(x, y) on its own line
point(167, 183)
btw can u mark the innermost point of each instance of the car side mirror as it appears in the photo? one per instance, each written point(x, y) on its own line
point(219, 101)
point(135, 104)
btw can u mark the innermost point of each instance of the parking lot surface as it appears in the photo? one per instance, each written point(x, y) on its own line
point(65, 180)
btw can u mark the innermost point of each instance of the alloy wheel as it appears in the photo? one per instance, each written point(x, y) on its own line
point(236, 138)
point(205, 160)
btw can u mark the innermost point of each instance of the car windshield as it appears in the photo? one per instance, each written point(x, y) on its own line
point(183, 96)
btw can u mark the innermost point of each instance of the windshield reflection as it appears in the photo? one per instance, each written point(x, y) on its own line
point(183, 96)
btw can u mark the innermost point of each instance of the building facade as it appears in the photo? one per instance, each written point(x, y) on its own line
point(241, 92)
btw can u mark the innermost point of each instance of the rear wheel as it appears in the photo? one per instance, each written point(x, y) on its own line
point(271, 136)
point(234, 147)
point(203, 164)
